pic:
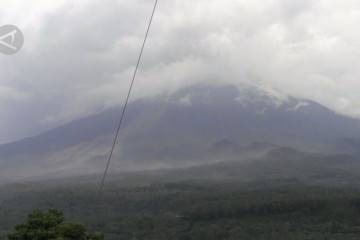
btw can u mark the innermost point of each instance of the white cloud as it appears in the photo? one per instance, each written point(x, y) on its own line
point(11, 94)
point(79, 55)
point(298, 106)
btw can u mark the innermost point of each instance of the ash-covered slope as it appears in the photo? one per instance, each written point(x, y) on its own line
point(177, 129)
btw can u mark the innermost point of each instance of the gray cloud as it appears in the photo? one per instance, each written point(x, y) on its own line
point(79, 55)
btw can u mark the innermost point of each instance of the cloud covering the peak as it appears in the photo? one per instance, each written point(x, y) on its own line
point(79, 55)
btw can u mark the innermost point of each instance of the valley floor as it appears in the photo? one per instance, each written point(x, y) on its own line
point(194, 210)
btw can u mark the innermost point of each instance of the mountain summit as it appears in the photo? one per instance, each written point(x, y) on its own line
point(177, 129)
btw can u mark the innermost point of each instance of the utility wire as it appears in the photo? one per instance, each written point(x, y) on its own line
point(127, 99)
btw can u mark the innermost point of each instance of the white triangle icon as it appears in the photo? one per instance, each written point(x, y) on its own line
point(12, 36)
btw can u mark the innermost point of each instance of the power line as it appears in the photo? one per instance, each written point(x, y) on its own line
point(127, 99)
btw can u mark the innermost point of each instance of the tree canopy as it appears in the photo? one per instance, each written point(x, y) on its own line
point(51, 225)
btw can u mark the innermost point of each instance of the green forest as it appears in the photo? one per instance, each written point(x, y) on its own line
point(193, 210)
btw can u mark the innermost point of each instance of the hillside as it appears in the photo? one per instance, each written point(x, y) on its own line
point(179, 130)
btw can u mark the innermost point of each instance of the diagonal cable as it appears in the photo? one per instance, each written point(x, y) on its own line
point(127, 99)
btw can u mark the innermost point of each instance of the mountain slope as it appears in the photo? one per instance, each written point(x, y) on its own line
point(177, 130)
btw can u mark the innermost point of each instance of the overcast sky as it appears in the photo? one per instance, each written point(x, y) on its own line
point(79, 55)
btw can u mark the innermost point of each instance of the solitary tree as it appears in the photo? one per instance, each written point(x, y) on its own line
point(51, 225)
